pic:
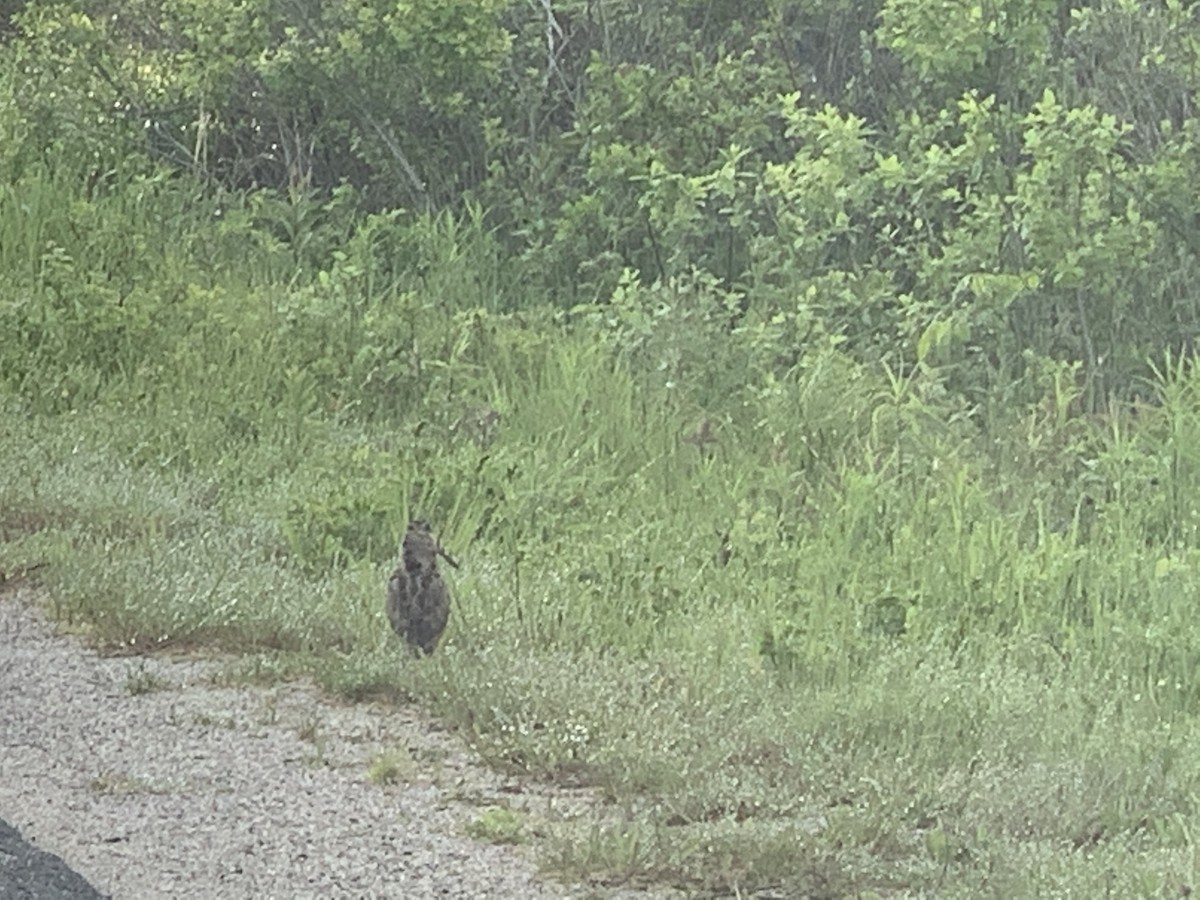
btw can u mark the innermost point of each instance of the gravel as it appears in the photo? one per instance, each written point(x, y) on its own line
point(150, 780)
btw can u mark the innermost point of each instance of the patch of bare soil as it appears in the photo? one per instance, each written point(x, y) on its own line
point(150, 781)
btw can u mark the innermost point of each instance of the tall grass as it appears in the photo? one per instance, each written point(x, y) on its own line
point(847, 635)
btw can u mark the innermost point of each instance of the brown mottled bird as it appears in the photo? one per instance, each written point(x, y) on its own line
point(418, 604)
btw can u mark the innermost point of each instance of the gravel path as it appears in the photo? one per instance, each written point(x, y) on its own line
point(194, 790)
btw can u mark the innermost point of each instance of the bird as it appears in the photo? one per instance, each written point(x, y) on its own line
point(418, 603)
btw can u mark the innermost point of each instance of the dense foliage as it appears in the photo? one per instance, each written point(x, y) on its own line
point(979, 180)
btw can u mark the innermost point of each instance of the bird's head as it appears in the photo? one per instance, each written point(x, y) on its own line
point(421, 549)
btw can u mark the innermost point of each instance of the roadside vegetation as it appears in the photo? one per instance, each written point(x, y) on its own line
point(807, 393)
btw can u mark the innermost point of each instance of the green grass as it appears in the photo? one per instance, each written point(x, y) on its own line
point(497, 825)
point(867, 640)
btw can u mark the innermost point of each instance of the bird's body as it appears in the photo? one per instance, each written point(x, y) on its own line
point(418, 604)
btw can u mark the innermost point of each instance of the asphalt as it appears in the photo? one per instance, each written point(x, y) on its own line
point(27, 873)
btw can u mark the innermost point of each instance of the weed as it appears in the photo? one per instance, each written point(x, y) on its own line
point(309, 730)
point(393, 767)
point(498, 825)
point(113, 783)
point(268, 713)
point(317, 759)
point(211, 720)
point(140, 680)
